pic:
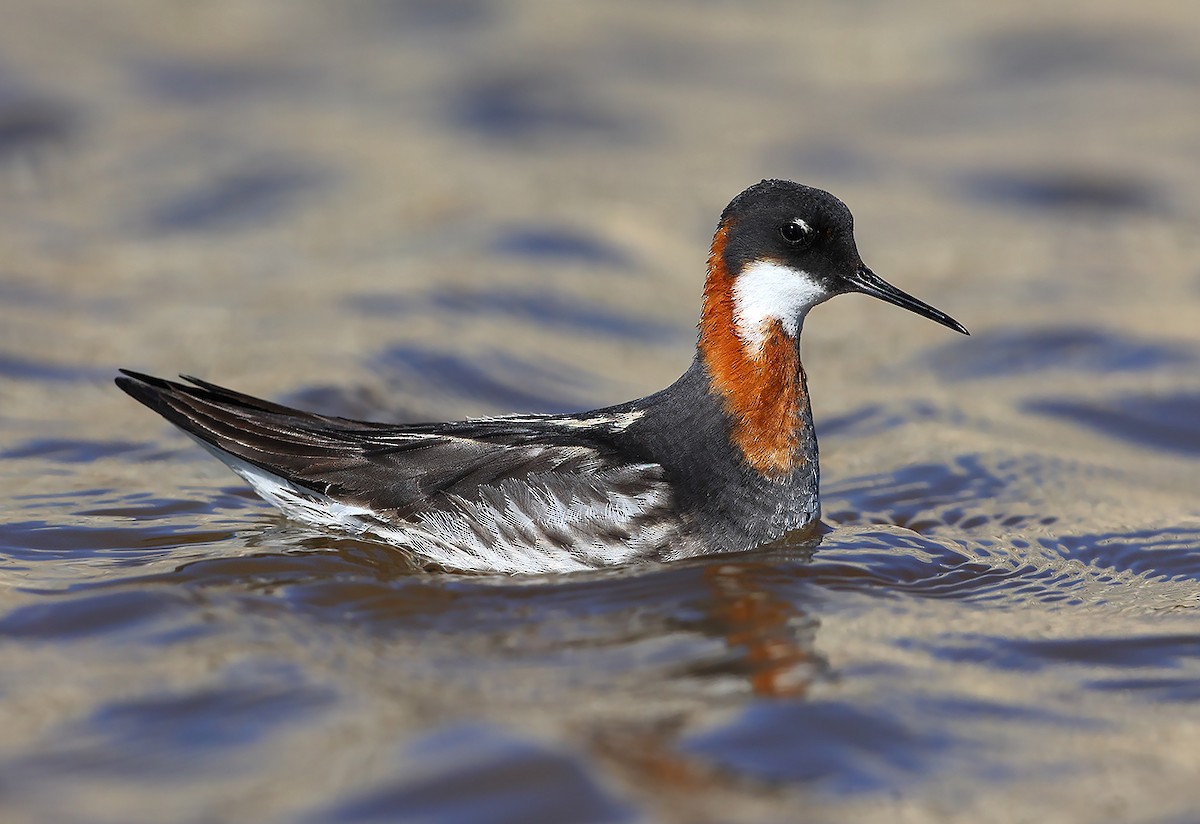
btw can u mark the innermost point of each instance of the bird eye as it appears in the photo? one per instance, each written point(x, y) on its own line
point(796, 233)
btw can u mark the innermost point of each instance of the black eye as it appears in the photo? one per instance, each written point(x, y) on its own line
point(796, 233)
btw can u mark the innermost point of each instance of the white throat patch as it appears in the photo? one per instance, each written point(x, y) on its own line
point(767, 291)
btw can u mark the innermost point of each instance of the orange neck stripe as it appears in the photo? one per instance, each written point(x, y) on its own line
point(763, 391)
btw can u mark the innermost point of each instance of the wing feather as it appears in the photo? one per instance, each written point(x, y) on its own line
point(520, 494)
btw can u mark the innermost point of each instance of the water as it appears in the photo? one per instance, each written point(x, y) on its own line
point(431, 210)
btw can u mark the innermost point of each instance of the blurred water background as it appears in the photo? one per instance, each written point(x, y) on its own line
point(432, 209)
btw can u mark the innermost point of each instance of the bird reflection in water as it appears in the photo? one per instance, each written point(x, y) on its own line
point(773, 636)
point(770, 651)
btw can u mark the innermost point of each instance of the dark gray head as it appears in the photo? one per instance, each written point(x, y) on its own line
point(789, 247)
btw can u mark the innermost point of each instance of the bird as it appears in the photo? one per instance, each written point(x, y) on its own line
point(723, 460)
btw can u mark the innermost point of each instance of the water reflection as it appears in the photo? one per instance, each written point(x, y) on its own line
point(500, 380)
point(512, 779)
point(528, 108)
point(236, 201)
point(996, 353)
point(1161, 421)
point(691, 676)
point(771, 640)
point(28, 122)
point(1059, 191)
point(541, 308)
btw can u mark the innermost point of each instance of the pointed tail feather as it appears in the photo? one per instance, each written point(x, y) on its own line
point(277, 438)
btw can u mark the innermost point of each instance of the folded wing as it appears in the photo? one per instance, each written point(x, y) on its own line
point(514, 494)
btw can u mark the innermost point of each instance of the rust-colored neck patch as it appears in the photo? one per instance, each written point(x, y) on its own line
point(763, 390)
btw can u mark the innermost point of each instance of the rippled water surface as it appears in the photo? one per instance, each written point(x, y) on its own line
point(424, 210)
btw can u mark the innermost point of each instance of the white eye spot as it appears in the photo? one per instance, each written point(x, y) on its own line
point(766, 291)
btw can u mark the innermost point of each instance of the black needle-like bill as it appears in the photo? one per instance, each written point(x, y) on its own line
point(869, 283)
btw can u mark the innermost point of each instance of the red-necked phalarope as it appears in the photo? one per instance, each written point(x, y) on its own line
point(724, 459)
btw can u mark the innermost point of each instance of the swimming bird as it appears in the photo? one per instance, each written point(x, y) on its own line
point(722, 460)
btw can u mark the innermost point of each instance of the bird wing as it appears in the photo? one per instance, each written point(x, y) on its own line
point(549, 484)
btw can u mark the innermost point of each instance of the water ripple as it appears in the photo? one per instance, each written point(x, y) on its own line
point(992, 353)
point(1170, 423)
point(1029, 655)
point(513, 779)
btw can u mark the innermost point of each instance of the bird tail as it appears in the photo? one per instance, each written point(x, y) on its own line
point(274, 448)
point(277, 438)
